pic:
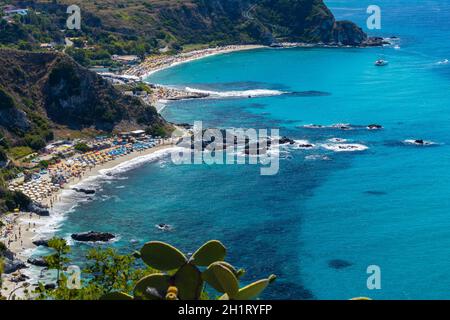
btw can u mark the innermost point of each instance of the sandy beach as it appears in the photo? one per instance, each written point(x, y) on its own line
point(22, 228)
point(157, 63)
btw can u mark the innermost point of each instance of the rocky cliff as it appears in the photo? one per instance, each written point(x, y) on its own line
point(39, 91)
point(155, 23)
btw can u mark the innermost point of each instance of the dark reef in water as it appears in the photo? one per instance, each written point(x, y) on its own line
point(375, 193)
point(339, 264)
point(310, 93)
point(93, 236)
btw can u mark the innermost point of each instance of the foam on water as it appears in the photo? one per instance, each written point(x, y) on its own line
point(138, 161)
point(344, 147)
point(238, 94)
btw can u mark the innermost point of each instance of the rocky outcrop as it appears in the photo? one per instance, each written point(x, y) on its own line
point(348, 33)
point(14, 119)
point(220, 21)
point(39, 91)
point(39, 210)
point(42, 242)
point(38, 262)
point(374, 127)
point(266, 22)
point(13, 265)
point(20, 278)
point(85, 191)
point(286, 140)
point(93, 236)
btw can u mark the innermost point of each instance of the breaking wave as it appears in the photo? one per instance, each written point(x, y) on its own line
point(243, 93)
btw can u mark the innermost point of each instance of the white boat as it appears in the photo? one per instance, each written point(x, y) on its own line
point(381, 63)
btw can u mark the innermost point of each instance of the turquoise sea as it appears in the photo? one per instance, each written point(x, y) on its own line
point(386, 206)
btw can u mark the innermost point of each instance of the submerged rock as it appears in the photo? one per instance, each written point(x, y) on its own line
point(41, 242)
point(339, 264)
point(38, 262)
point(419, 142)
point(376, 193)
point(85, 191)
point(93, 236)
point(374, 127)
point(286, 140)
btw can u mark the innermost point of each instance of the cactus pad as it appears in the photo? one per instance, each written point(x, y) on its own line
point(162, 256)
point(210, 252)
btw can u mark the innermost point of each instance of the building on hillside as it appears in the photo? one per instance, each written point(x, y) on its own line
point(128, 59)
point(138, 133)
point(48, 46)
point(10, 10)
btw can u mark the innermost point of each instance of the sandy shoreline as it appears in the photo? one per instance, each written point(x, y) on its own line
point(152, 65)
point(24, 227)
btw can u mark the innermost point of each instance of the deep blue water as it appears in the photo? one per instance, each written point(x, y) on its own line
point(386, 206)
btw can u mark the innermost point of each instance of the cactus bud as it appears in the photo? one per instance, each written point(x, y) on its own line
point(172, 289)
point(171, 296)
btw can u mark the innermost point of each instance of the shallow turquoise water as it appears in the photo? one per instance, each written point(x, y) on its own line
point(387, 206)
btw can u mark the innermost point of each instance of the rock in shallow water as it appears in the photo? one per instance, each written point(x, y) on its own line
point(85, 191)
point(38, 262)
point(339, 264)
point(41, 242)
point(93, 236)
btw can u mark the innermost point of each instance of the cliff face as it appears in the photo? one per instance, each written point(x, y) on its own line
point(269, 20)
point(263, 21)
point(158, 22)
point(41, 90)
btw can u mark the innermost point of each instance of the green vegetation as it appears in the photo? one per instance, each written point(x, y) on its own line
point(13, 200)
point(141, 27)
point(10, 200)
point(82, 147)
point(168, 274)
point(28, 31)
point(157, 131)
point(20, 152)
point(65, 73)
point(184, 279)
point(59, 259)
point(142, 87)
point(44, 164)
point(3, 155)
point(106, 271)
point(6, 101)
point(2, 247)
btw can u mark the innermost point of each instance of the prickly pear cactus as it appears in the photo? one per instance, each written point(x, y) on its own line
point(162, 256)
point(222, 279)
point(209, 253)
point(182, 279)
